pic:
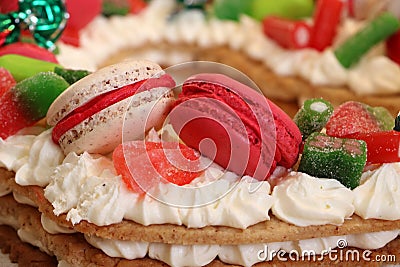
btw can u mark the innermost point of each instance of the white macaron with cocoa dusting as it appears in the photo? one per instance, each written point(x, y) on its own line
point(120, 101)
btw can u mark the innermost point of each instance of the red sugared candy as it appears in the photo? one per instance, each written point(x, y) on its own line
point(143, 165)
point(352, 117)
point(7, 81)
point(28, 50)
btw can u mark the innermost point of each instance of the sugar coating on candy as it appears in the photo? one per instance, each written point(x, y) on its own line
point(6, 81)
point(35, 94)
point(332, 157)
point(355, 117)
point(383, 116)
point(313, 116)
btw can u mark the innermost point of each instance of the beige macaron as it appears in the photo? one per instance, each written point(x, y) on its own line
point(128, 119)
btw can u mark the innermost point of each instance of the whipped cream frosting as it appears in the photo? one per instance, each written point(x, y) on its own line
point(14, 151)
point(379, 194)
point(44, 155)
point(87, 188)
point(102, 38)
point(244, 255)
point(304, 200)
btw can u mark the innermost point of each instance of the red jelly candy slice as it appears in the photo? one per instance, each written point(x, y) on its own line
point(351, 117)
point(382, 147)
point(6, 81)
point(144, 164)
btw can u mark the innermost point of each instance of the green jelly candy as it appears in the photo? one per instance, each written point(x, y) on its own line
point(379, 29)
point(71, 76)
point(383, 117)
point(231, 9)
point(332, 157)
point(35, 94)
point(313, 116)
point(22, 67)
point(290, 9)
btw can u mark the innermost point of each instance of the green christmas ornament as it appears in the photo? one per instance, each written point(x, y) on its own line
point(44, 19)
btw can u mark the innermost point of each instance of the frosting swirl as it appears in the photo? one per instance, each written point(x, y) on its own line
point(379, 195)
point(304, 200)
point(44, 156)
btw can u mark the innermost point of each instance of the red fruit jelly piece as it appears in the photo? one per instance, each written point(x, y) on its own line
point(382, 147)
point(143, 165)
point(11, 118)
point(351, 117)
point(7, 81)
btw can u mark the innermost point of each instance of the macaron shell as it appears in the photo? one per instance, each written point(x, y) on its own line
point(128, 119)
point(227, 139)
point(104, 80)
point(268, 122)
point(288, 136)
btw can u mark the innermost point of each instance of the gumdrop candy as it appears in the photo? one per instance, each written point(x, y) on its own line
point(355, 117)
point(342, 159)
point(28, 101)
point(312, 116)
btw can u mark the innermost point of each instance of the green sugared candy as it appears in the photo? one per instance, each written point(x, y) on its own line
point(290, 9)
point(383, 117)
point(332, 157)
point(231, 9)
point(71, 76)
point(312, 116)
point(35, 94)
point(22, 67)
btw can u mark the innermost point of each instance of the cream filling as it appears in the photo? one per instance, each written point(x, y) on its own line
point(245, 255)
point(101, 39)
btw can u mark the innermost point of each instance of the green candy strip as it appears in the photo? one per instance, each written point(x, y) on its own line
point(313, 116)
point(35, 94)
point(336, 158)
point(379, 29)
point(22, 67)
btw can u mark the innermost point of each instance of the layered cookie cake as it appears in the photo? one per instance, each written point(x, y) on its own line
point(133, 164)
